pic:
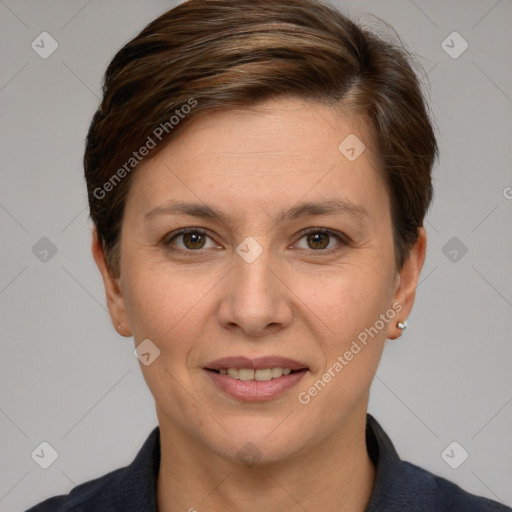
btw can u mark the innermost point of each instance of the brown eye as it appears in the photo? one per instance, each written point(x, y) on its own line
point(322, 240)
point(188, 241)
point(318, 240)
point(193, 240)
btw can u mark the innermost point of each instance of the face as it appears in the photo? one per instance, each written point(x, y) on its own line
point(258, 260)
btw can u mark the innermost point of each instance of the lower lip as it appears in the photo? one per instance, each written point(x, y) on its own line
point(255, 390)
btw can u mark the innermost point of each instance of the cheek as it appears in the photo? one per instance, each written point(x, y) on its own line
point(347, 298)
point(157, 303)
point(349, 304)
point(167, 310)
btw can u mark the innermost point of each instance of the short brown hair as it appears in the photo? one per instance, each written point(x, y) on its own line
point(206, 55)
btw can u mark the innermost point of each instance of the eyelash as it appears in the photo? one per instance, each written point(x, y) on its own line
point(342, 239)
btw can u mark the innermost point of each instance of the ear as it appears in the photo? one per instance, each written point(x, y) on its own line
point(115, 301)
point(407, 282)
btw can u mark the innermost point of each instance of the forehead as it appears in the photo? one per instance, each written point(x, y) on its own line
point(276, 153)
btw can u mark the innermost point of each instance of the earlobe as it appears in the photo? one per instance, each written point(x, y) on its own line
point(405, 291)
point(115, 300)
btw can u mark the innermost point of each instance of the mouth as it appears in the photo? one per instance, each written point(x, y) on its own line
point(261, 375)
point(255, 379)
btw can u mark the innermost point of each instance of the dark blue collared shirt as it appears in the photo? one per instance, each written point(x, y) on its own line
point(399, 486)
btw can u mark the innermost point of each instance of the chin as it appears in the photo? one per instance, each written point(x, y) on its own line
point(254, 441)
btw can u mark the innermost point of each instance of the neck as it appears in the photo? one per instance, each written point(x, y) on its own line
point(333, 475)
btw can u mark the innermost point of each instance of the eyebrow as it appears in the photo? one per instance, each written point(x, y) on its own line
point(307, 209)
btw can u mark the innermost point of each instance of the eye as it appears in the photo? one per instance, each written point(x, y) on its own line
point(192, 239)
point(320, 239)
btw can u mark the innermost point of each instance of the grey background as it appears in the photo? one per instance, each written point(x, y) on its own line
point(67, 378)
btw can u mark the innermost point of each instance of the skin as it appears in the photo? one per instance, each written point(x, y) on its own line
point(295, 300)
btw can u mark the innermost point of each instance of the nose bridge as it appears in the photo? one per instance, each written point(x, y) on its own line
point(253, 279)
point(252, 269)
point(255, 300)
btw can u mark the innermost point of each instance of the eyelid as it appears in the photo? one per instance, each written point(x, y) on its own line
point(171, 236)
point(166, 241)
point(342, 238)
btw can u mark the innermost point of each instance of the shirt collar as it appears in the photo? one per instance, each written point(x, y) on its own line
point(386, 461)
point(137, 491)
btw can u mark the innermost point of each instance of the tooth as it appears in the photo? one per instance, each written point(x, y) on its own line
point(246, 374)
point(265, 374)
point(277, 372)
point(233, 372)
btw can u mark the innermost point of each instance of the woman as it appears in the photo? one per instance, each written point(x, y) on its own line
point(258, 176)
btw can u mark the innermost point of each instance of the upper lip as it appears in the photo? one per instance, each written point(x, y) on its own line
point(258, 363)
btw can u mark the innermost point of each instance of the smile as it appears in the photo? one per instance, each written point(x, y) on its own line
point(265, 374)
point(257, 379)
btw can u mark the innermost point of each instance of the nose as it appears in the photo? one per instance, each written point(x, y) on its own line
point(256, 300)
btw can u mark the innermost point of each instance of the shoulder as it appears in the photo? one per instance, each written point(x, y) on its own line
point(443, 495)
point(97, 494)
point(128, 489)
point(401, 486)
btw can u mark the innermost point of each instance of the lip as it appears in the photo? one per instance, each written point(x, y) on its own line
point(254, 390)
point(258, 363)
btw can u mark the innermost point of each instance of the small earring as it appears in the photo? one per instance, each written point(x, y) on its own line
point(402, 325)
